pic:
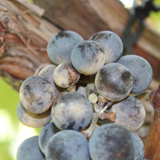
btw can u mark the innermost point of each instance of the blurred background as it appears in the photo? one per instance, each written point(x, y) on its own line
point(24, 34)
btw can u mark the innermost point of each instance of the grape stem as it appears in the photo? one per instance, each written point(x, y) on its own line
point(110, 116)
point(143, 95)
point(99, 113)
point(102, 99)
point(97, 107)
point(71, 89)
point(64, 91)
point(102, 111)
point(87, 133)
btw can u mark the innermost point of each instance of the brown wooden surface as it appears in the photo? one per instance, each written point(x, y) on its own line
point(152, 144)
point(23, 41)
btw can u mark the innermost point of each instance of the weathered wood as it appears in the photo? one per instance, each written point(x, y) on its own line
point(32, 7)
point(23, 41)
point(152, 144)
point(155, 63)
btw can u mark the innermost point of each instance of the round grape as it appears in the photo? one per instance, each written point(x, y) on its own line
point(31, 119)
point(29, 150)
point(110, 142)
point(82, 90)
point(67, 145)
point(114, 82)
point(130, 113)
point(141, 72)
point(47, 72)
point(46, 133)
point(60, 46)
point(36, 94)
point(65, 75)
point(111, 43)
point(138, 147)
point(88, 57)
point(72, 111)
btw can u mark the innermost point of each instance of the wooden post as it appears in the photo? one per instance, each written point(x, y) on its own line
point(152, 144)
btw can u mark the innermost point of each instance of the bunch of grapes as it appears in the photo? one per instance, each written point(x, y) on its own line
point(86, 93)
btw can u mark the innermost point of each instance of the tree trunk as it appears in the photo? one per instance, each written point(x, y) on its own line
point(23, 42)
point(24, 34)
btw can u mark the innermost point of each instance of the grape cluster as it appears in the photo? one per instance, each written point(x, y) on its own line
point(88, 82)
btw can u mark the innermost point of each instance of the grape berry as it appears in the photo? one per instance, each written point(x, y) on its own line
point(72, 111)
point(110, 141)
point(67, 145)
point(111, 43)
point(114, 82)
point(142, 73)
point(86, 92)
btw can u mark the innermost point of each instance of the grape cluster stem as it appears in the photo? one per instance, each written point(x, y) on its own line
point(99, 113)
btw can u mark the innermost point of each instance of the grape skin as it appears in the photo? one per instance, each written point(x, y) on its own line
point(61, 44)
point(67, 145)
point(31, 119)
point(47, 72)
point(111, 43)
point(29, 150)
point(82, 90)
point(46, 133)
point(61, 75)
point(110, 142)
point(72, 111)
point(138, 147)
point(130, 113)
point(141, 72)
point(114, 82)
point(36, 94)
point(88, 57)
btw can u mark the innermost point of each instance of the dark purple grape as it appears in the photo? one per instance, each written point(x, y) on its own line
point(29, 150)
point(31, 119)
point(111, 43)
point(36, 94)
point(141, 72)
point(88, 57)
point(111, 142)
point(82, 90)
point(67, 145)
point(47, 72)
point(61, 45)
point(65, 75)
point(138, 147)
point(114, 82)
point(72, 111)
point(130, 113)
point(46, 133)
